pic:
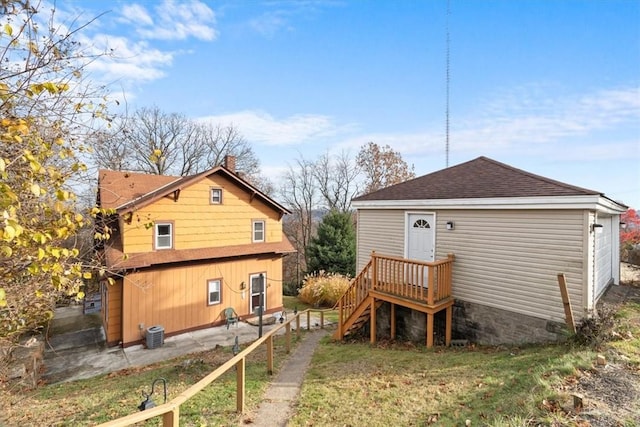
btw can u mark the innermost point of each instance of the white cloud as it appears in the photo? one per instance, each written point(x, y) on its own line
point(270, 23)
point(284, 15)
point(262, 128)
point(172, 20)
point(134, 13)
point(515, 122)
point(133, 61)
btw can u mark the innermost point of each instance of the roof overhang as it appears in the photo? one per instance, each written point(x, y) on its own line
point(174, 187)
point(598, 203)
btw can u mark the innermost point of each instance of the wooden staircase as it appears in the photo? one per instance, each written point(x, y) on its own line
point(422, 286)
point(359, 318)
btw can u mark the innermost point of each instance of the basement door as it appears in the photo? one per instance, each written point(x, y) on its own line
point(421, 235)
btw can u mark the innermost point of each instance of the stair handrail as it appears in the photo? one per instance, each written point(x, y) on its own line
point(356, 293)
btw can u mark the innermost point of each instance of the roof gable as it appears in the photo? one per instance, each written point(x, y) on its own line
point(476, 179)
point(128, 191)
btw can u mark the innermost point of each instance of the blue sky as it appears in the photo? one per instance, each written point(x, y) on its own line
point(551, 87)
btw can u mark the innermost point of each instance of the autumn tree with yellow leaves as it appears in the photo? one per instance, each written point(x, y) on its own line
point(47, 110)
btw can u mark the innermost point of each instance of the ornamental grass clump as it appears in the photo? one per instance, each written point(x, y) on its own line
point(323, 289)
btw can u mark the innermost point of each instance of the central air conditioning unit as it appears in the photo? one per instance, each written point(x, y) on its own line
point(155, 337)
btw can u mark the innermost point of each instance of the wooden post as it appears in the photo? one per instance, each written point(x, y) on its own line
point(308, 320)
point(269, 344)
point(172, 419)
point(322, 319)
point(447, 336)
point(298, 325)
point(393, 321)
point(340, 320)
point(288, 336)
point(374, 272)
point(568, 312)
point(430, 285)
point(372, 320)
point(429, 330)
point(240, 389)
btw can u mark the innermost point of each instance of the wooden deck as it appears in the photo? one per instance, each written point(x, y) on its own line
point(421, 286)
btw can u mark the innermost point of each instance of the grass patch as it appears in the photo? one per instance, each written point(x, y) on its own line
point(353, 384)
point(400, 384)
point(627, 341)
point(291, 303)
point(356, 384)
point(100, 399)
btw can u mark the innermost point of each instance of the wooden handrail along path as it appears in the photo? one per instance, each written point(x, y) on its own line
point(425, 286)
point(170, 411)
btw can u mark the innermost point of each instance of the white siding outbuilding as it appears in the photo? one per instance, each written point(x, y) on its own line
point(511, 232)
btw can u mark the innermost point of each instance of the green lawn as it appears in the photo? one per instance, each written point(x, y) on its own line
point(401, 384)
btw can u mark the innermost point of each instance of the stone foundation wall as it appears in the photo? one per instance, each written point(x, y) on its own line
point(488, 325)
point(22, 364)
point(411, 325)
point(474, 322)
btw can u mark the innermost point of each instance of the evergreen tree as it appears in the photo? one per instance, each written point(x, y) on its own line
point(333, 249)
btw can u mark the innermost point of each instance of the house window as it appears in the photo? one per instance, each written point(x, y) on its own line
point(421, 223)
point(258, 231)
point(164, 235)
point(216, 196)
point(213, 292)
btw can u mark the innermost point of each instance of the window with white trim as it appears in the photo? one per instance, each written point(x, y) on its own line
point(214, 292)
point(216, 196)
point(258, 231)
point(163, 235)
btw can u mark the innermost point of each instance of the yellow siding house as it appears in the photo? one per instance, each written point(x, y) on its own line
point(182, 249)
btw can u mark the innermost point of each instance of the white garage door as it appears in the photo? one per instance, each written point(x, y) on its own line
point(604, 255)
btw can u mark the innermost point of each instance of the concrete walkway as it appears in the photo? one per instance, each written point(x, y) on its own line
point(277, 405)
point(76, 349)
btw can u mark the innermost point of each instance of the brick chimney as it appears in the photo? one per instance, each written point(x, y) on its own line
point(230, 163)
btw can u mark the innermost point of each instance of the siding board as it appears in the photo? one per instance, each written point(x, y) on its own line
point(507, 259)
point(175, 297)
point(199, 224)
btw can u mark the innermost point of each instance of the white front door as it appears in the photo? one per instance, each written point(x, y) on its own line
point(258, 287)
point(421, 232)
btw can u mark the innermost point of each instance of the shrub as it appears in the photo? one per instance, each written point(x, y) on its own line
point(323, 289)
point(593, 331)
point(290, 289)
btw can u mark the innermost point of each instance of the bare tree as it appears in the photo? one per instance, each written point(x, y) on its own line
point(155, 142)
point(337, 180)
point(162, 143)
point(299, 193)
point(382, 167)
point(221, 141)
point(150, 141)
point(111, 151)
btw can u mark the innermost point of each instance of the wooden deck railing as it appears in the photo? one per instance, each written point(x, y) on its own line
point(426, 282)
point(170, 411)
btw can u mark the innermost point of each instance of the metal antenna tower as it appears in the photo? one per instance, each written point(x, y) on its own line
point(448, 81)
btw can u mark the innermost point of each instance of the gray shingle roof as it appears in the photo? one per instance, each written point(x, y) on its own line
point(478, 178)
